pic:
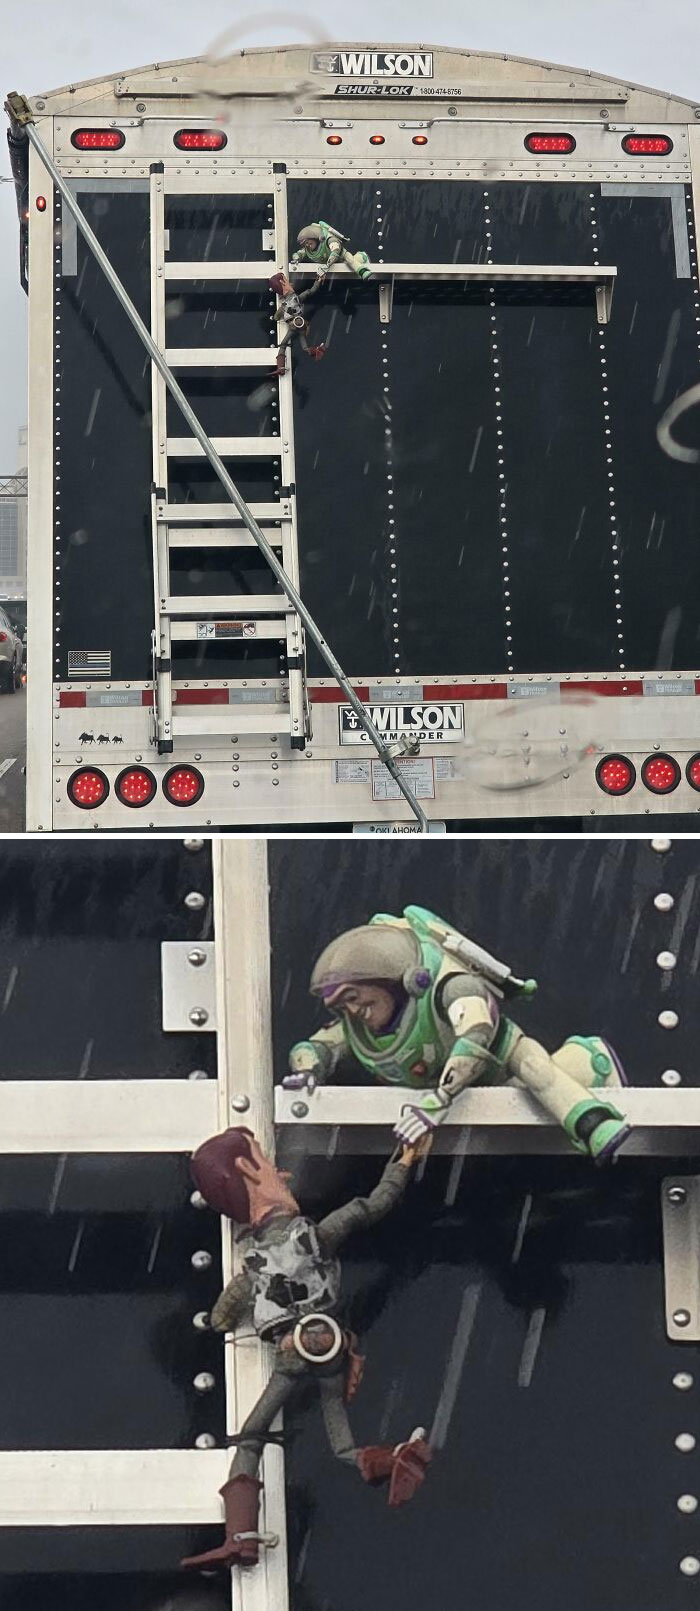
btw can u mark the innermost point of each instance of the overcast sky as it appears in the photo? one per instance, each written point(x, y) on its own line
point(47, 43)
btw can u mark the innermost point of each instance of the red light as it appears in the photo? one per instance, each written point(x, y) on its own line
point(183, 785)
point(692, 772)
point(647, 145)
point(3, 637)
point(615, 774)
point(549, 144)
point(200, 139)
point(420, 139)
point(135, 786)
point(334, 139)
point(661, 774)
point(88, 788)
point(41, 204)
point(97, 139)
point(376, 139)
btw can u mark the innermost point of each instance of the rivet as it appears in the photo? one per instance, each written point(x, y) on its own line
point(201, 1260)
point(201, 1321)
point(683, 1380)
point(690, 1566)
point(677, 1194)
point(681, 1317)
point(194, 901)
point(204, 1382)
point(193, 844)
point(205, 1440)
point(671, 1076)
point(240, 1104)
point(661, 845)
point(196, 958)
point(663, 903)
point(197, 1200)
point(300, 1109)
point(666, 960)
point(198, 1074)
point(198, 1016)
point(668, 1019)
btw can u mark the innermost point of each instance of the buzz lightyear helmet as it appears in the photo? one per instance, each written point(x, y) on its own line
point(377, 951)
point(310, 232)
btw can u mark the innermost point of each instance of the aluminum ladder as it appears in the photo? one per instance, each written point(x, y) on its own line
point(233, 617)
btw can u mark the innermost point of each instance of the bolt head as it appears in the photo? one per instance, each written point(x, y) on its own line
point(194, 901)
point(198, 1016)
point(196, 958)
point(681, 1317)
point(204, 1382)
point(240, 1104)
point(300, 1109)
point(201, 1260)
point(193, 844)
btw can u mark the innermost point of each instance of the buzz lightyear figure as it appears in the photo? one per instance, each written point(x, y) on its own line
point(419, 1005)
point(322, 244)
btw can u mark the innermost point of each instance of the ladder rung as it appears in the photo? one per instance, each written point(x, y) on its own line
point(185, 514)
point(220, 357)
point(235, 719)
point(260, 270)
point(225, 606)
point(187, 631)
point(228, 447)
point(208, 537)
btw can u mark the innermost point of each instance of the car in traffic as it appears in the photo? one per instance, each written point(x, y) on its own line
point(11, 655)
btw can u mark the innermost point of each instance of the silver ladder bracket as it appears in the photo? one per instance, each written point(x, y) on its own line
point(680, 1212)
point(386, 301)
point(188, 980)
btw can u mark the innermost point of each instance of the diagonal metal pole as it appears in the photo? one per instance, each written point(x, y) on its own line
point(19, 111)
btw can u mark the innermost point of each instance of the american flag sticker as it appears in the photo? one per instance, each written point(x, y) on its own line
point(89, 662)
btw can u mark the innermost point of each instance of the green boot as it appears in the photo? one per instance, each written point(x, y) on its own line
point(596, 1129)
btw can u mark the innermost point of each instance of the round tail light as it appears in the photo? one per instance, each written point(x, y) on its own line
point(183, 785)
point(615, 774)
point(135, 786)
point(692, 772)
point(661, 774)
point(88, 788)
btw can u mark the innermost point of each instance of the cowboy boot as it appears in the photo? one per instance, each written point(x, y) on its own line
point(281, 365)
point(402, 1466)
point(241, 1496)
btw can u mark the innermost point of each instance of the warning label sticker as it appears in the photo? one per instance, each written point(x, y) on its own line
point(434, 723)
point(418, 774)
point(226, 629)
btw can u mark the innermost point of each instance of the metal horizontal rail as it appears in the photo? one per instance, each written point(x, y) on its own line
point(115, 1115)
point(222, 514)
point(227, 447)
point(557, 273)
point(225, 605)
point(208, 537)
point(210, 270)
point(111, 1487)
point(499, 1120)
point(220, 358)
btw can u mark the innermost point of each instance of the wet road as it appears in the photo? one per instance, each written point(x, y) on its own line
point(13, 752)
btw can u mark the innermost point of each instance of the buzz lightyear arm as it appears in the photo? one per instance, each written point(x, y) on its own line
point(320, 1054)
point(467, 1004)
point(233, 1304)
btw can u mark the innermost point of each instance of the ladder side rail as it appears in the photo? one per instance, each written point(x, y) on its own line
point(317, 638)
point(299, 709)
point(244, 1005)
point(162, 655)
